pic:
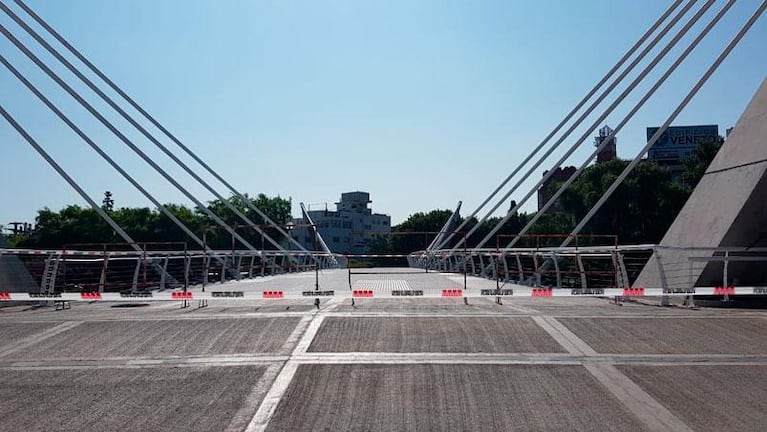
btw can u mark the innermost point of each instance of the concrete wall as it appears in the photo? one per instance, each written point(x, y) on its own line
point(727, 208)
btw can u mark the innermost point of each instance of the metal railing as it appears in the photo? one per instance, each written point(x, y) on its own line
point(607, 266)
point(100, 268)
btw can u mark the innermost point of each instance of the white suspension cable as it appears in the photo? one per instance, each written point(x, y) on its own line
point(151, 119)
point(602, 117)
point(122, 137)
point(556, 145)
point(701, 82)
point(561, 124)
point(625, 120)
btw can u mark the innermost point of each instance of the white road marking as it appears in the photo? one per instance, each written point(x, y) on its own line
point(38, 337)
point(644, 407)
point(280, 385)
point(648, 410)
point(272, 398)
point(311, 331)
point(294, 337)
point(243, 416)
point(570, 342)
point(389, 358)
point(381, 284)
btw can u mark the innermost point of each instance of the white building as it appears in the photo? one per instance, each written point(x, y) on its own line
point(347, 230)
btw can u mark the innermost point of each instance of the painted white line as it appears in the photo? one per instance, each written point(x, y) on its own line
point(457, 314)
point(648, 410)
point(569, 342)
point(311, 331)
point(38, 337)
point(579, 343)
point(129, 363)
point(392, 358)
point(508, 303)
point(294, 337)
point(332, 304)
point(282, 382)
point(246, 412)
point(272, 398)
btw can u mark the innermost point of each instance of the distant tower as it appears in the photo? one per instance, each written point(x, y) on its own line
point(108, 203)
point(609, 152)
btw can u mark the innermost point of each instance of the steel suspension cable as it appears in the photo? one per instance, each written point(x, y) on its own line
point(72, 182)
point(602, 117)
point(98, 150)
point(149, 117)
point(133, 122)
point(580, 119)
point(625, 120)
point(564, 121)
point(701, 82)
point(122, 137)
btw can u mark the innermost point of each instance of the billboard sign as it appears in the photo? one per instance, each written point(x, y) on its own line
point(679, 141)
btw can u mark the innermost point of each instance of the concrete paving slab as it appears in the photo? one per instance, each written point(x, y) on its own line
point(425, 305)
point(11, 332)
point(592, 306)
point(708, 398)
point(234, 308)
point(152, 399)
point(164, 338)
point(424, 334)
point(671, 335)
point(448, 397)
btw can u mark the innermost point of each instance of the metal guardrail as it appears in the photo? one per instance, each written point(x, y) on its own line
point(614, 266)
point(69, 270)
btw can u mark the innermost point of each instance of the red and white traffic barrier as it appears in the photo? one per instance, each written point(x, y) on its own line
point(509, 291)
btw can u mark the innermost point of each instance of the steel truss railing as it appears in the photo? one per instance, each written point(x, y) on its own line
point(599, 267)
point(61, 270)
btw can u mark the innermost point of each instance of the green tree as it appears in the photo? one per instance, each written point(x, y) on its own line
point(696, 164)
point(74, 224)
point(430, 222)
point(276, 208)
point(639, 211)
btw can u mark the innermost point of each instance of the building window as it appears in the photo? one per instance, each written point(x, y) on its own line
point(336, 240)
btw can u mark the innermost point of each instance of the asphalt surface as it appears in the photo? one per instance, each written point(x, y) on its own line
point(449, 397)
point(459, 335)
point(570, 364)
point(708, 398)
point(149, 399)
point(13, 332)
point(96, 339)
point(672, 335)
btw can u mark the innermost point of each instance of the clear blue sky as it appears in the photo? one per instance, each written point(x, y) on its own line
point(421, 103)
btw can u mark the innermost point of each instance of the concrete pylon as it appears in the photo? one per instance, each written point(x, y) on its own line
point(728, 208)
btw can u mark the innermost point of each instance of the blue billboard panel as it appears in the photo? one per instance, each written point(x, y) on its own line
point(679, 141)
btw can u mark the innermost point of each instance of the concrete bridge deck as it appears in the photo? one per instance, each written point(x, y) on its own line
point(575, 364)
